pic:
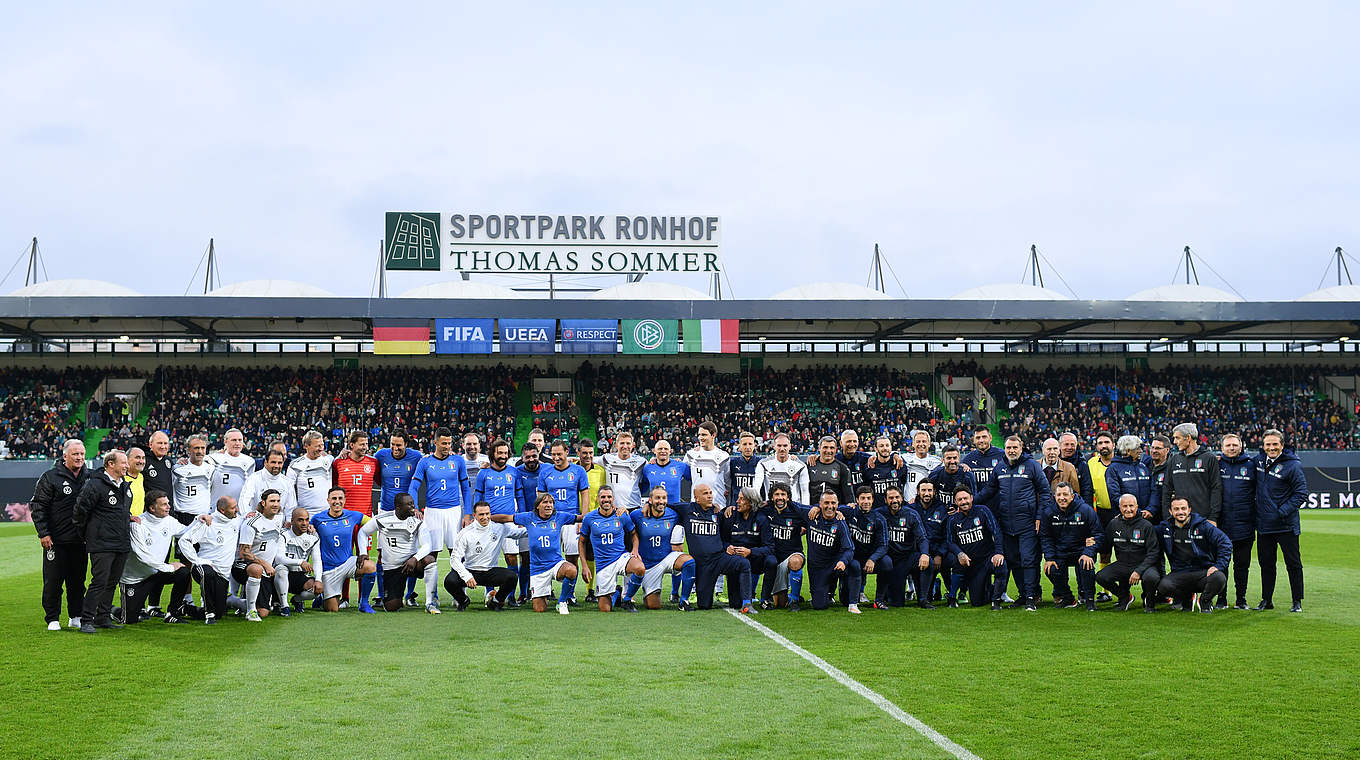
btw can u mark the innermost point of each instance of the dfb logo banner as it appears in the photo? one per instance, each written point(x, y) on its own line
point(590, 336)
point(463, 336)
point(650, 336)
point(528, 336)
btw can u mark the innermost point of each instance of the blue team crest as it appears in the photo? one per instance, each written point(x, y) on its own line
point(977, 521)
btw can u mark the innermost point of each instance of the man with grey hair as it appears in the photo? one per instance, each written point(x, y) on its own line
point(1127, 475)
point(920, 462)
point(312, 473)
point(193, 482)
point(1057, 469)
point(102, 517)
point(64, 556)
point(231, 467)
point(1192, 473)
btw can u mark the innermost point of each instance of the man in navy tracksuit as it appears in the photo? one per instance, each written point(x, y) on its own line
point(1129, 474)
point(973, 545)
point(934, 514)
point(746, 532)
point(869, 534)
point(1137, 555)
point(983, 457)
point(1017, 492)
point(908, 550)
point(831, 556)
point(711, 559)
point(1198, 553)
point(949, 476)
point(1238, 518)
point(1070, 533)
point(1280, 490)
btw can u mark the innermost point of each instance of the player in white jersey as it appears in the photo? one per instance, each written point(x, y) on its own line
point(261, 545)
point(148, 568)
point(536, 437)
point(231, 468)
point(402, 552)
point(272, 476)
point(782, 468)
point(919, 463)
point(193, 481)
point(708, 464)
point(473, 560)
point(472, 454)
point(624, 470)
point(311, 474)
point(302, 558)
point(211, 550)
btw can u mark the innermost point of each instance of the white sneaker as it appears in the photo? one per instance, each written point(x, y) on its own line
point(73, 623)
point(433, 609)
point(854, 609)
point(253, 616)
point(562, 608)
point(54, 626)
point(344, 605)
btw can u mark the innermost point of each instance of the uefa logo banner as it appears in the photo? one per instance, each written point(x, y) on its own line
point(528, 336)
point(650, 336)
point(411, 240)
point(590, 336)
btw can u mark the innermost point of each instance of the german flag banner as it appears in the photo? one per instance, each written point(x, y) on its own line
point(407, 337)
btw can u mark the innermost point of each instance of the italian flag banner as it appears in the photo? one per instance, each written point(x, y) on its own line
point(710, 336)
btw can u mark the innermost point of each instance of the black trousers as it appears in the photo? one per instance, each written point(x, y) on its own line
point(1181, 585)
point(503, 579)
point(214, 588)
point(1241, 569)
point(147, 593)
point(984, 582)
point(824, 579)
point(1288, 544)
point(737, 571)
point(1086, 579)
point(1115, 578)
point(63, 566)
point(105, 570)
point(892, 580)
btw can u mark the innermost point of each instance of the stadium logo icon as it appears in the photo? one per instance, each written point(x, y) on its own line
point(648, 334)
point(411, 241)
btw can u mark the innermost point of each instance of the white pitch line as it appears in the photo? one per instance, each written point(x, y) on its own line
point(883, 703)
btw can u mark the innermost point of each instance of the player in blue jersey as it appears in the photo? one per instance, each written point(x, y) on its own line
point(787, 522)
point(502, 487)
point(670, 474)
point(607, 539)
point(396, 464)
point(544, 526)
point(831, 556)
point(442, 479)
point(983, 457)
point(570, 489)
point(654, 526)
point(529, 466)
point(711, 559)
point(335, 529)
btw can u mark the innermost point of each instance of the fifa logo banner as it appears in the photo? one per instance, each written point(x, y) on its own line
point(590, 336)
point(528, 336)
point(463, 336)
point(650, 336)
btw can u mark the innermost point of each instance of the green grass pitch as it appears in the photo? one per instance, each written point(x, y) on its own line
point(1052, 684)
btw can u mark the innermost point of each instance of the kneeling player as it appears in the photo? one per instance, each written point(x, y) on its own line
point(746, 531)
point(261, 544)
point(335, 528)
point(869, 534)
point(606, 535)
point(909, 550)
point(660, 555)
point(302, 558)
point(973, 543)
point(473, 557)
point(544, 526)
point(147, 572)
point(1198, 553)
point(711, 559)
point(832, 557)
point(787, 522)
point(402, 551)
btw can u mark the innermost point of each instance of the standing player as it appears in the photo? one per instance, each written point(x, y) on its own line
point(271, 476)
point(570, 489)
point(984, 457)
point(831, 556)
point(741, 467)
point(442, 479)
point(396, 464)
point(402, 552)
point(335, 529)
point(623, 471)
point(472, 454)
point(544, 526)
point(908, 548)
point(537, 440)
point(667, 473)
point(1017, 493)
point(711, 559)
point(973, 548)
point(231, 468)
point(787, 523)
point(654, 525)
point(260, 547)
point(853, 458)
point(782, 468)
point(474, 557)
point(193, 482)
point(302, 558)
point(950, 475)
point(159, 468)
point(211, 550)
point(919, 463)
point(827, 473)
point(312, 474)
point(503, 489)
point(708, 463)
point(882, 470)
point(608, 540)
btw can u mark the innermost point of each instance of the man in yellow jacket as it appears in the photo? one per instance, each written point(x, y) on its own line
point(1100, 494)
point(595, 477)
point(137, 483)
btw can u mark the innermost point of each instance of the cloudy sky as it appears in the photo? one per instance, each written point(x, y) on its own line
point(952, 136)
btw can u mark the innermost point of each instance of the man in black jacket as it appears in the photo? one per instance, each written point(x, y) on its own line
point(101, 514)
point(1137, 555)
point(1192, 474)
point(64, 557)
point(159, 466)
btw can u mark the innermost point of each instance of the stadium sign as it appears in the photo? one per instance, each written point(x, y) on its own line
point(590, 336)
point(528, 336)
point(552, 244)
point(463, 336)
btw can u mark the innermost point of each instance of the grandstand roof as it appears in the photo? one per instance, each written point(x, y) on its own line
point(1180, 291)
point(1009, 291)
point(75, 287)
point(462, 289)
point(1335, 293)
point(272, 289)
point(649, 291)
point(828, 291)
